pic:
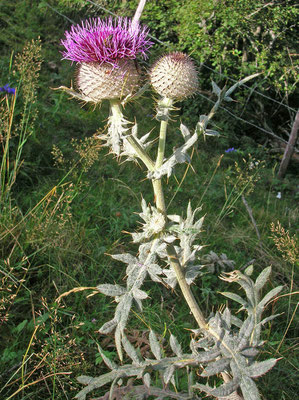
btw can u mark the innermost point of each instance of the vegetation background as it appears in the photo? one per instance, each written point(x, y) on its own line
point(64, 202)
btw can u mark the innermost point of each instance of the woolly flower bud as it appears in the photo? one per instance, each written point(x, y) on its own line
point(104, 81)
point(174, 76)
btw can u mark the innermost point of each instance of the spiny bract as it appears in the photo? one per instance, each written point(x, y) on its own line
point(174, 76)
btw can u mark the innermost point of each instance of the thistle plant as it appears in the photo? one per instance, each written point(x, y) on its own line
point(222, 345)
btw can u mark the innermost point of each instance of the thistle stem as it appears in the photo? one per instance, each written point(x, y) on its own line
point(160, 203)
point(116, 109)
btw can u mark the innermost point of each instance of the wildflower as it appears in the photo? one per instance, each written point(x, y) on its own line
point(7, 89)
point(174, 76)
point(230, 150)
point(105, 41)
point(278, 195)
point(105, 51)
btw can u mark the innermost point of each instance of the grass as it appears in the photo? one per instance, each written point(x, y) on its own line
point(67, 209)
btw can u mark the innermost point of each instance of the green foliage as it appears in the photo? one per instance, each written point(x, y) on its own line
point(242, 37)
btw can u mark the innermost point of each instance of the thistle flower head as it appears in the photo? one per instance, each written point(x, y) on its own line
point(105, 41)
point(174, 76)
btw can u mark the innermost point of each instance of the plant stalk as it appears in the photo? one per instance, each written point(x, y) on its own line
point(160, 203)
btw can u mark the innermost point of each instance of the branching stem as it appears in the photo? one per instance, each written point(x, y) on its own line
point(160, 203)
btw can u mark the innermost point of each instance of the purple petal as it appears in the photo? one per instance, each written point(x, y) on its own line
point(105, 41)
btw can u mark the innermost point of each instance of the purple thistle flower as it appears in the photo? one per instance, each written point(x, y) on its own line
point(105, 41)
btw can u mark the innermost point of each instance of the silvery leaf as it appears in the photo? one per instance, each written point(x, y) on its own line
point(110, 364)
point(175, 346)
point(235, 297)
point(221, 391)
point(215, 367)
point(246, 331)
point(147, 379)
point(111, 290)
point(169, 238)
point(168, 373)
point(274, 292)
point(262, 278)
point(211, 132)
point(139, 304)
point(155, 345)
point(249, 270)
point(260, 368)
point(122, 310)
point(265, 320)
point(216, 89)
point(192, 273)
point(207, 356)
point(125, 258)
point(108, 327)
point(154, 270)
point(136, 276)
point(175, 218)
point(249, 389)
point(250, 352)
point(117, 338)
point(139, 294)
point(185, 132)
point(85, 380)
point(236, 321)
point(129, 349)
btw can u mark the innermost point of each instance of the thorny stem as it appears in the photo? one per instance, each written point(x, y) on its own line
point(160, 203)
point(173, 258)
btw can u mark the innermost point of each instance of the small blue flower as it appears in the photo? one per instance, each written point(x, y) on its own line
point(7, 89)
point(230, 150)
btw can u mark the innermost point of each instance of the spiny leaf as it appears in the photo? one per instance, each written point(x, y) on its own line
point(250, 352)
point(110, 364)
point(260, 368)
point(130, 350)
point(216, 89)
point(168, 373)
point(155, 345)
point(265, 320)
point(117, 338)
point(269, 296)
point(215, 367)
point(235, 297)
point(139, 294)
point(147, 379)
point(207, 356)
point(175, 346)
point(84, 380)
point(137, 276)
point(125, 258)
point(123, 309)
point(185, 132)
point(249, 389)
point(221, 391)
point(94, 383)
point(108, 327)
point(262, 278)
point(111, 290)
point(249, 270)
point(211, 132)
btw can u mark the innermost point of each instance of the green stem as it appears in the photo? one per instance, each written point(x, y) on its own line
point(116, 109)
point(160, 203)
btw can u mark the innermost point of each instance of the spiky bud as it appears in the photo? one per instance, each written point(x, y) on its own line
point(105, 81)
point(174, 76)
